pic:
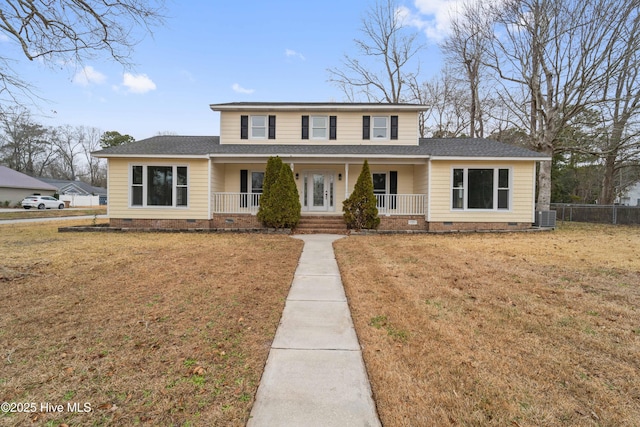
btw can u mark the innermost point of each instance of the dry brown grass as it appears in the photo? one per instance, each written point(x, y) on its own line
point(150, 329)
point(499, 329)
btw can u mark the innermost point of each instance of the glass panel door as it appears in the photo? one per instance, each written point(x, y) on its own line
point(320, 189)
point(318, 192)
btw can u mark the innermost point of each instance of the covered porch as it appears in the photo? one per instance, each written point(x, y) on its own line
point(400, 186)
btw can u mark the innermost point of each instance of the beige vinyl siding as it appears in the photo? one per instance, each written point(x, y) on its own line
point(405, 175)
point(349, 128)
point(217, 177)
point(119, 190)
point(522, 192)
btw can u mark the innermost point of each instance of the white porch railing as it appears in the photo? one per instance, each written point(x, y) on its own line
point(388, 204)
point(401, 204)
point(235, 203)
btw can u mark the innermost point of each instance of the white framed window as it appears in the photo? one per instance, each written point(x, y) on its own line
point(319, 127)
point(480, 188)
point(380, 127)
point(159, 186)
point(258, 125)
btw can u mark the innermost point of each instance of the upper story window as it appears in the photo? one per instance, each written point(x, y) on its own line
point(485, 189)
point(380, 127)
point(257, 127)
point(319, 127)
point(165, 186)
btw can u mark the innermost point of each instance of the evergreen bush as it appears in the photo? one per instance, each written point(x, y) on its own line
point(272, 171)
point(282, 208)
point(360, 210)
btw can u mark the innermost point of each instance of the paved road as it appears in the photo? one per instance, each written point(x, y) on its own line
point(64, 218)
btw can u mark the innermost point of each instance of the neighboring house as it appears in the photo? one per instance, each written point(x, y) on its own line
point(421, 184)
point(78, 193)
point(15, 186)
point(631, 196)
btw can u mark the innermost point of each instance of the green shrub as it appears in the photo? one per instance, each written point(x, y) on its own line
point(280, 202)
point(265, 210)
point(360, 210)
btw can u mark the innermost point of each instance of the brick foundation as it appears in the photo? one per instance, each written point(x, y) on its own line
point(402, 223)
point(237, 221)
point(477, 226)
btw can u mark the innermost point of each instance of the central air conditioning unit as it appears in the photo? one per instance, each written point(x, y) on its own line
point(545, 219)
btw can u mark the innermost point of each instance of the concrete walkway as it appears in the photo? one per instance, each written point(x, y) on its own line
point(314, 374)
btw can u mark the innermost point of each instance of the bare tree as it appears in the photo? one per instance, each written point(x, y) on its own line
point(95, 167)
point(448, 103)
point(555, 52)
point(65, 31)
point(69, 145)
point(385, 64)
point(466, 51)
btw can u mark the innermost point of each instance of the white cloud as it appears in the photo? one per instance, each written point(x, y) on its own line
point(89, 75)
point(139, 83)
point(239, 89)
point(434, 16)
point(291, 52)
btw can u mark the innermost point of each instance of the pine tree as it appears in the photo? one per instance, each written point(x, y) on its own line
point(360, 210)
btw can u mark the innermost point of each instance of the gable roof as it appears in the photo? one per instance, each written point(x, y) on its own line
point(206, 146)
point(14, 179)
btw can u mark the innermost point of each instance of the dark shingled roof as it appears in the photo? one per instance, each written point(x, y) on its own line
point(210, 145)
point(171, 145)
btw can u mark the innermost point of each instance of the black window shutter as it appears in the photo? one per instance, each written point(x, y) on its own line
point(394, 127)
point(244, 127)
point(272, 127)
point(333, 127)
point(305, 127)
point(366, 127)
point(244, 187)
point(393, 188)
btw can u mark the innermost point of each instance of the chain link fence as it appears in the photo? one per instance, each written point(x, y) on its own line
point(604, 214)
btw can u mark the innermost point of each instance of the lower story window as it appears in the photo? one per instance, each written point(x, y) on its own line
point(159, 186)
point(480, 188)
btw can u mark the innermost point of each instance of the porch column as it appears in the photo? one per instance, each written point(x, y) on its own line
point(346, 180)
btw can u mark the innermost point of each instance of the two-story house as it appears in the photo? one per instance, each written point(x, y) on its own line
point(420, 183)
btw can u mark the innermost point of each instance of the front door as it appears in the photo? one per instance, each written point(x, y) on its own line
point(319, 192)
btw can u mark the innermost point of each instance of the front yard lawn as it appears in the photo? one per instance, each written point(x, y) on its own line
point(521, 329)
point(150, 329)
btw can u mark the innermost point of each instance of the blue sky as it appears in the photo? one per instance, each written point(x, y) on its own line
point(219, 51)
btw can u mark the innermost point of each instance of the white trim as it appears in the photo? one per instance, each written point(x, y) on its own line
point(174, 186)
point(465, 188)
point(154, 156)
point(326, 128)
point(490, 159)
point(269, 107)
point(209, 192)
point(266, 126)
point(533, 195)
point(429, 191)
